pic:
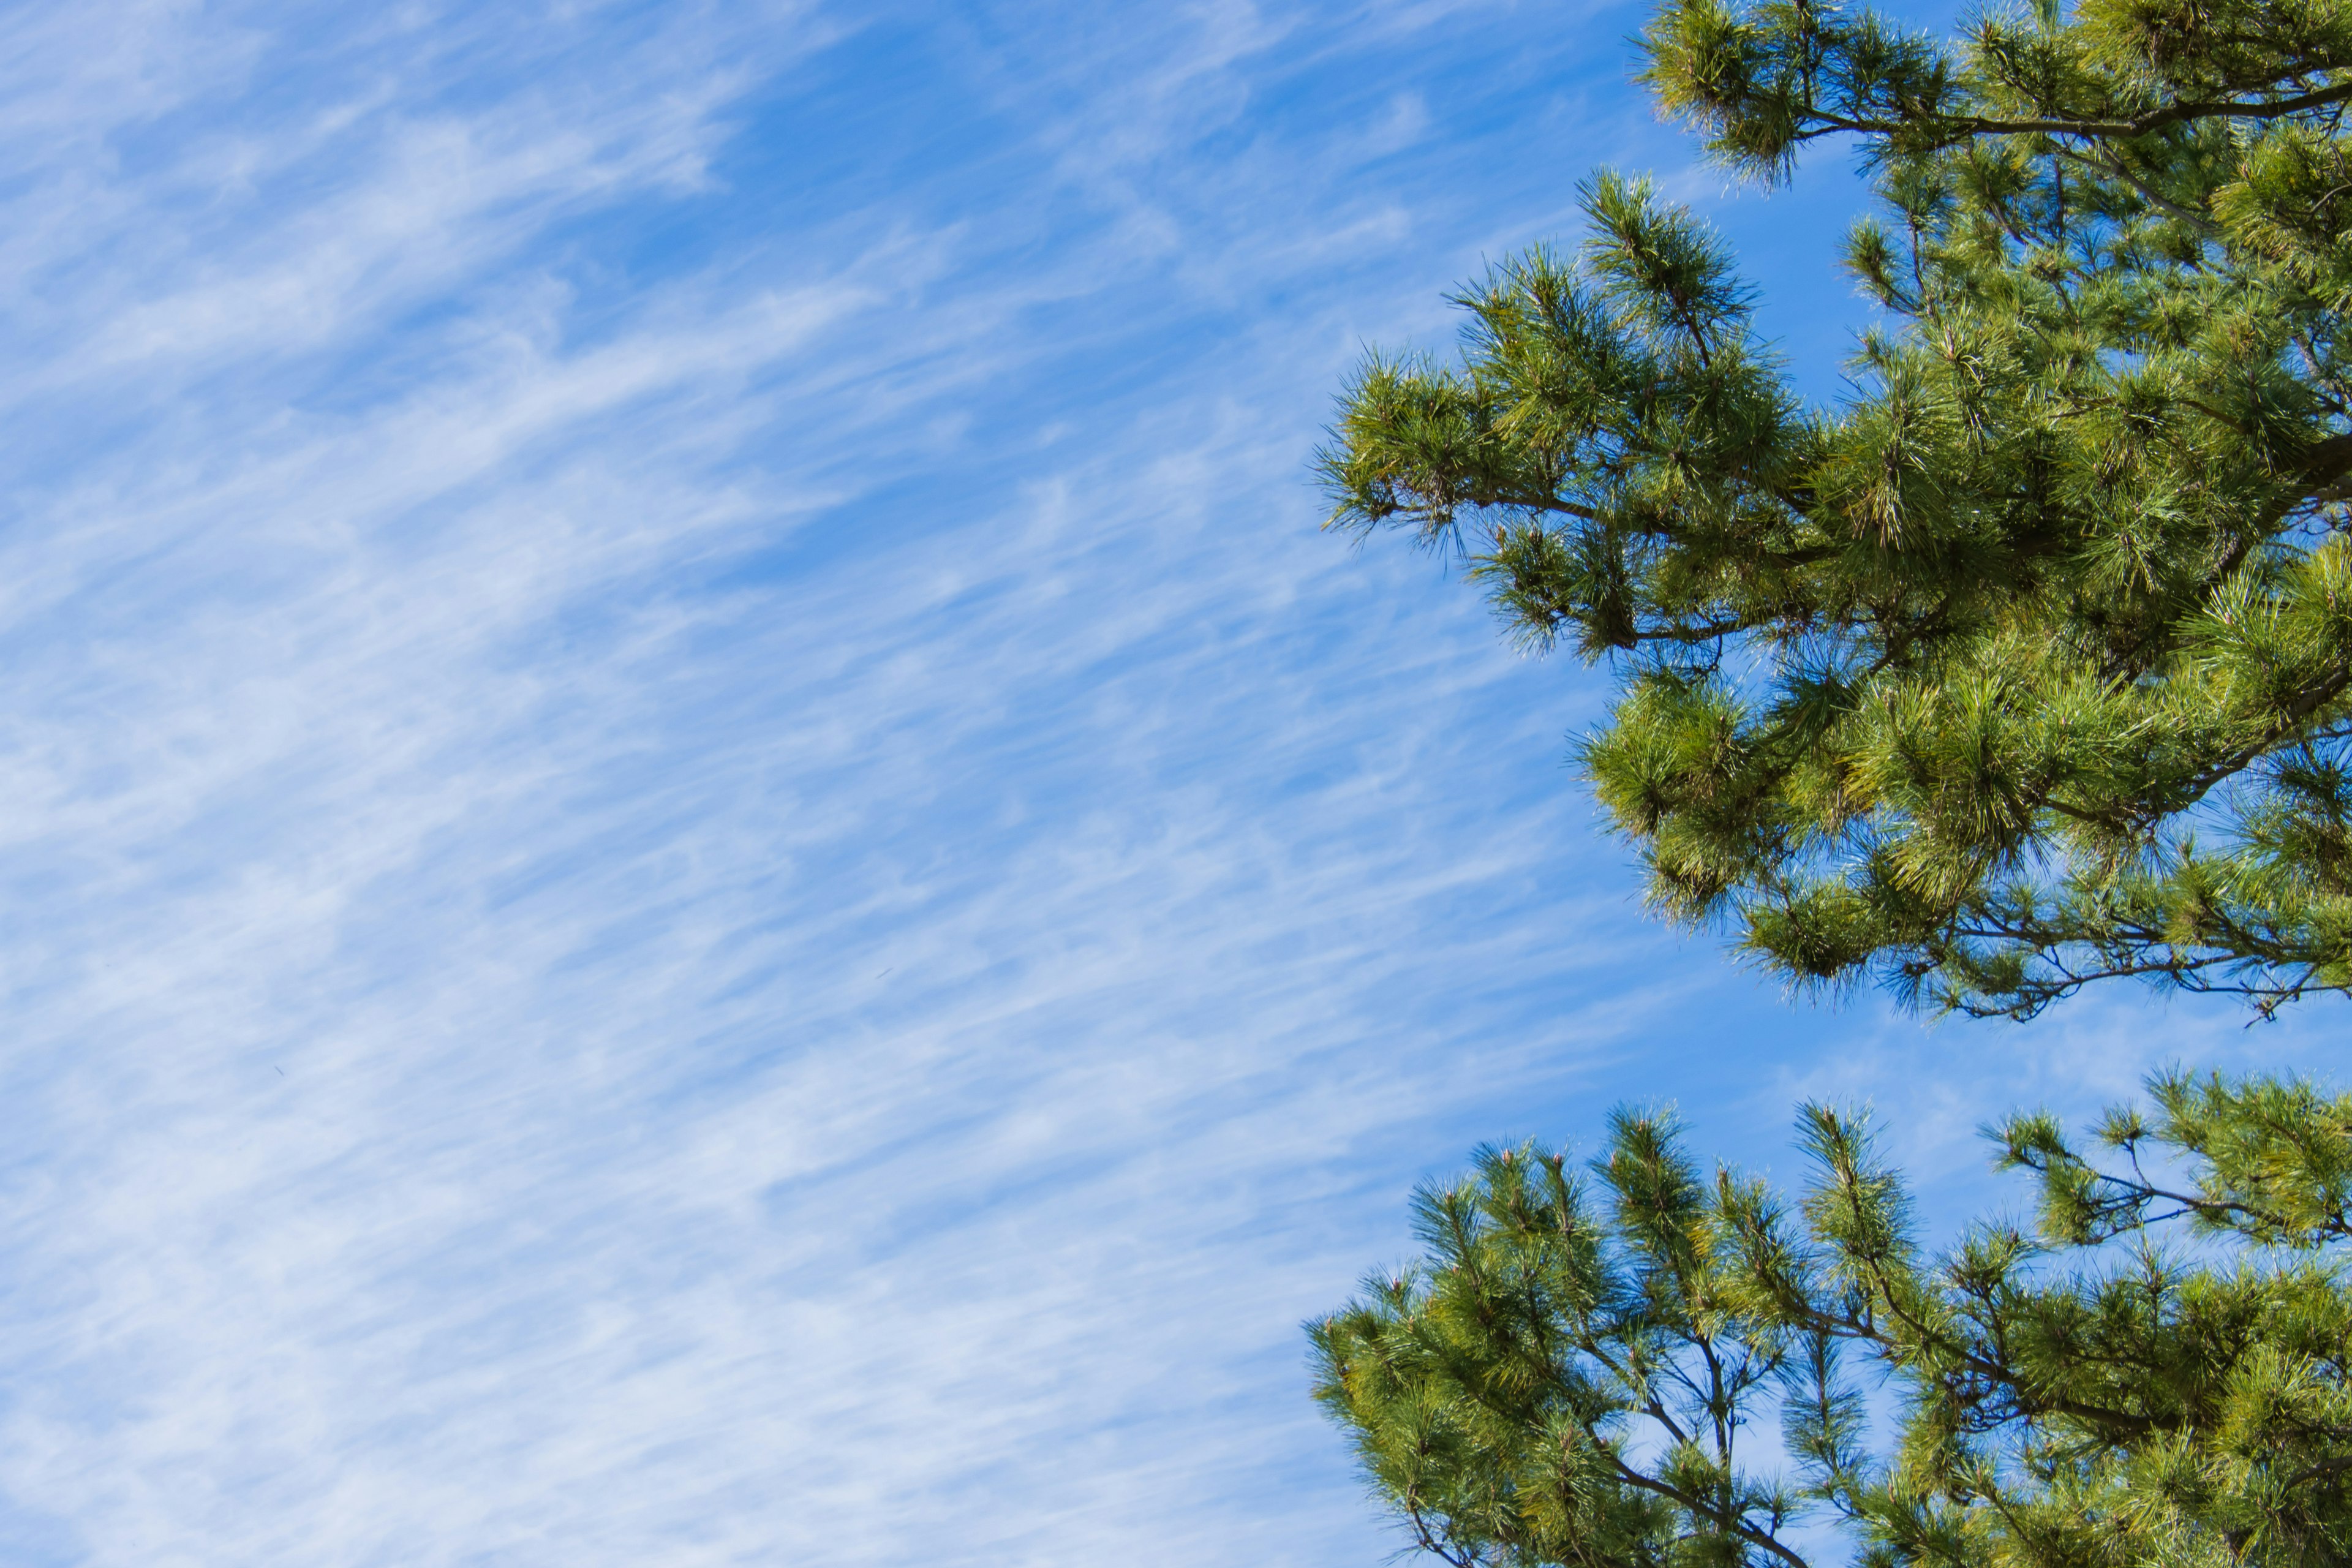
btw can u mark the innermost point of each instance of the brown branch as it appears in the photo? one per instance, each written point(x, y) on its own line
point(1959, 127)
point(2112, 166)
point(1719, 1518)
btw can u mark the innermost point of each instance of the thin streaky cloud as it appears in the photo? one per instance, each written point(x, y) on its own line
point(707, 865)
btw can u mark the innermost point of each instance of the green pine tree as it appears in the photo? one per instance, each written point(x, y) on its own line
point(1581, 1368)
point(2030, 664)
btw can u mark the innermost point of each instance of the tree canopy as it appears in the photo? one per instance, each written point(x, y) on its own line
point(1578, 1370)
point(2029, 663)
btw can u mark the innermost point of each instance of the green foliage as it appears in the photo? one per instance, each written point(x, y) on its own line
point(2028, 664)
point(2156, 1373)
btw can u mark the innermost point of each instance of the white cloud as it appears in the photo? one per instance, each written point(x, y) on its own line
point(641, 927)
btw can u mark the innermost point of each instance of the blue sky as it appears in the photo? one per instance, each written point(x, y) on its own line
point(705, 865)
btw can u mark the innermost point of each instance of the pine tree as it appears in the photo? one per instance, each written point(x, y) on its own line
point(2030, 663)
point(1579, 1370)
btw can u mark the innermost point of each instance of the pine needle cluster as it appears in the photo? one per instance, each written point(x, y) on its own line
point(1585, 1367)
point(2030, 663)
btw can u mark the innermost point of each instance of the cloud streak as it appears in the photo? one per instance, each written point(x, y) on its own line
point(705, 865)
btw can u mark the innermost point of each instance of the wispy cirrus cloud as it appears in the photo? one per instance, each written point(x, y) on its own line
point(704, 864)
